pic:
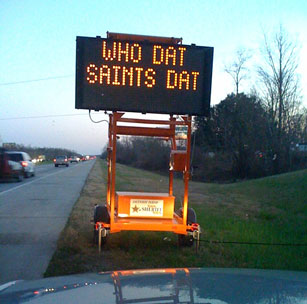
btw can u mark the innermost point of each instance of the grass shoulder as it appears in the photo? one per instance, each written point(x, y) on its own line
point(267, 210)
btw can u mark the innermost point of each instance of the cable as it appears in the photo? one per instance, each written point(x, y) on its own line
point(35, 80)
point(193, 150)
point(99, 121)
point(253, 243)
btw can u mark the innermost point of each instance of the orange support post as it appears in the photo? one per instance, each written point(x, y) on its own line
point(148, 211)
point(109, 159)
point(186, 173)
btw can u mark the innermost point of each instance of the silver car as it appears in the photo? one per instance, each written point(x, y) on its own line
point(25, 160)
point(61, 160)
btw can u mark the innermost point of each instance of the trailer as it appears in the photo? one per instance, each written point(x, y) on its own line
point(145, 74)
point(146, 211)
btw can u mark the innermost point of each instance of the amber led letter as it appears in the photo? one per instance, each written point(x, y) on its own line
point(92, 78)
point(104, 71)
point(108, 54)
point(170, 53)
point(151, 81)
point(136, 53)
point(158, 54)
point(171, 80)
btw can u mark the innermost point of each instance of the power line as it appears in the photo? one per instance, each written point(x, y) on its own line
point(35, 80)
point(43, 116)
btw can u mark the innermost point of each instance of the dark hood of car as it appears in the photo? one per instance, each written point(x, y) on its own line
point(216, 286)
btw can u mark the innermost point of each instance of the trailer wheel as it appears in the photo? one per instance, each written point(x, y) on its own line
point(101, 214)
point(191, 218)
point(187, 240)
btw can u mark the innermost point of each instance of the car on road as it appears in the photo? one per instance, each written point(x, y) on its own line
point(9, 169)
point(61, 160)
point(24, 159)
point(74, 159)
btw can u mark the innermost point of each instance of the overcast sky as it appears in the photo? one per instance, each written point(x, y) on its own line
point(38, 41)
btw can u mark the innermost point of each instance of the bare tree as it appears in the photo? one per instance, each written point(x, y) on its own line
point(280, 85)
point(237, 70)
point(303, 126)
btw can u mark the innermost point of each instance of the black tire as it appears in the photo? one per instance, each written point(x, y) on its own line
point(101, 214)
point(56, 165)
point(187, 240)
point(191, 218)
point(67, 165)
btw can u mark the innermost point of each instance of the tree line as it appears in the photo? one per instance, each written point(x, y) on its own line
point(247, 135)
point(35, 152)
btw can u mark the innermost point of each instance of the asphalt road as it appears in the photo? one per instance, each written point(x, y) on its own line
point(32, 215)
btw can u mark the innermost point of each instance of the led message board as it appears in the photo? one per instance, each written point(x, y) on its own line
point(143, 76)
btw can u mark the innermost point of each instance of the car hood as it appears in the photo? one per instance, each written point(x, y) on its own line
point(216, 286)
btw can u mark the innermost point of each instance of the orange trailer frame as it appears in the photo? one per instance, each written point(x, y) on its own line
point(119, 204)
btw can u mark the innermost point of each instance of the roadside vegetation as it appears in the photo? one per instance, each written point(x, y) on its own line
point(249, 134)
point(265, 210)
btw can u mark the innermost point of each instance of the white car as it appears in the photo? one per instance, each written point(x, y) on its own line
point(25, 160)
point(74, 159)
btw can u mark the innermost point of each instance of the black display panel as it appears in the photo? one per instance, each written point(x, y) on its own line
point(145, 77)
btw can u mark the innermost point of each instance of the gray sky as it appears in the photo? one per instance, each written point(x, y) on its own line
point(38, 41)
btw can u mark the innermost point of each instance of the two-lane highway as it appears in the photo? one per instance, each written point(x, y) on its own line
point(41, 171)
point(33, 214)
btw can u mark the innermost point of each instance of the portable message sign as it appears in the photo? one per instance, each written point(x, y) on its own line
point(132, 73)
point(143, 76)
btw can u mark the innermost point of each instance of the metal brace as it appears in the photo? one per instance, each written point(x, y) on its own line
point(196, 236)
point(102, 232)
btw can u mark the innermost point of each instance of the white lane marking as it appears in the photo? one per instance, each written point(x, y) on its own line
point(6, 285)
point(28, 183)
